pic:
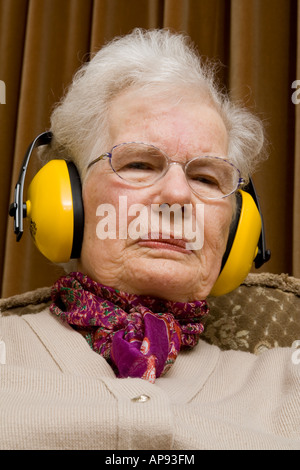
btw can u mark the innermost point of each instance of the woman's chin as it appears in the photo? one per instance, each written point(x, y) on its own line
point(167, 278)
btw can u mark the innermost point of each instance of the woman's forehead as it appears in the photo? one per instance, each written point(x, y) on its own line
point(175, 126)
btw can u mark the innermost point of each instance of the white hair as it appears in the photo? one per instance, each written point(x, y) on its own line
point(156, 61)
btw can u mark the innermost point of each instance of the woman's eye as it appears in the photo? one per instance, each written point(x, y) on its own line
point(206, 180)
point(138, 166)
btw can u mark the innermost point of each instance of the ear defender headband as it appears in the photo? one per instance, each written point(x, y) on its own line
point(54, 209)
point(54, 206)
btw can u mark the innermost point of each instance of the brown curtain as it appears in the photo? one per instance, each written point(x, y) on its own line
point(43, 42)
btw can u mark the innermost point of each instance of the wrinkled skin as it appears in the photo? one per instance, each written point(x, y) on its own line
point(182, 130)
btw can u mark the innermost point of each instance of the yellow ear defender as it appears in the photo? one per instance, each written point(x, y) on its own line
point(53, 208)
point(55, 213)
point(246, 243)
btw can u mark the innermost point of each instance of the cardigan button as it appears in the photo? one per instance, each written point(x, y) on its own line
point(141, 399)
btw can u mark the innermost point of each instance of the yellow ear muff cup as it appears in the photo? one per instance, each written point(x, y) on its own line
point(55, 211)
point(244, 247)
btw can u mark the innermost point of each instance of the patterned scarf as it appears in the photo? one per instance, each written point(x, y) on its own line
point(139, 336)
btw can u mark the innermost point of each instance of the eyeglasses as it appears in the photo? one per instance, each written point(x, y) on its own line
point(143, 165)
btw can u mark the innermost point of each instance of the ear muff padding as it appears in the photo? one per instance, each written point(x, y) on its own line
point(242, 245)
point(78, 212)
point(55, 211)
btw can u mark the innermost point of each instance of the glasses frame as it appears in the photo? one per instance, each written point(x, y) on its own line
point(170, 162)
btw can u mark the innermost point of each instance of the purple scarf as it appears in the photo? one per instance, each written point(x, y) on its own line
point(139, 336)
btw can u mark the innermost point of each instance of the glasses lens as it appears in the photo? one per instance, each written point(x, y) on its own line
point(212, 177)
point(138, 163)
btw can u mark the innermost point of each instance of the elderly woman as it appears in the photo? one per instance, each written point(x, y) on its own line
point(117, 361)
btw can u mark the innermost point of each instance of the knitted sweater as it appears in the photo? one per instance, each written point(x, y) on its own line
point(56, 393)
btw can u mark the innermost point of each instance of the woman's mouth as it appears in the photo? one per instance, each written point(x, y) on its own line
point(157, 241)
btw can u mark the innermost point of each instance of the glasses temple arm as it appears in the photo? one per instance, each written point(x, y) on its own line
point(104, 155)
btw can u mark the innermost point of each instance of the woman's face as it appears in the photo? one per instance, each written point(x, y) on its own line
point(182, 130)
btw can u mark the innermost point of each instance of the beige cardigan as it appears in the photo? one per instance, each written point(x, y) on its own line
point(56, 393)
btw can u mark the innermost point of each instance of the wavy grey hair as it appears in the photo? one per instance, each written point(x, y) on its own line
point(156, 61)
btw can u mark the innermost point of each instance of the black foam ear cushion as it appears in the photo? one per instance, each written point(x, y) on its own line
point(78, 211)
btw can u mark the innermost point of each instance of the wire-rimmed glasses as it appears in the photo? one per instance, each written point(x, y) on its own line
point(143, 164)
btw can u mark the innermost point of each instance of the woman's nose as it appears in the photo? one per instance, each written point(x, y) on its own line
point(173, 187)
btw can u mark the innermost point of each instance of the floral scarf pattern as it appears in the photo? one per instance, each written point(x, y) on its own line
point(139, 336)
